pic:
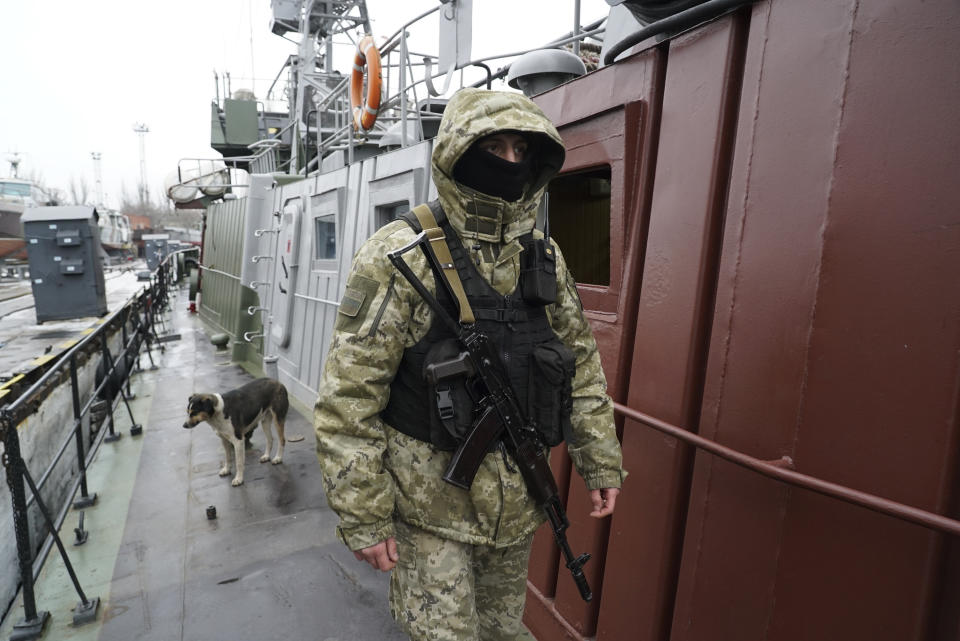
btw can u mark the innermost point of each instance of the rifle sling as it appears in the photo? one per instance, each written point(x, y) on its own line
point(439, 244)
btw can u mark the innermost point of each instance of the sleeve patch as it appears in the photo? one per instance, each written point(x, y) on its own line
point(352, 302)
point(359, 293)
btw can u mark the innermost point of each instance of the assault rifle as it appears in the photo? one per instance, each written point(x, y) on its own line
point(500, 419)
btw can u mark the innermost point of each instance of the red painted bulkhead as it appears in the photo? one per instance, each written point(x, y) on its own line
point(785, 280)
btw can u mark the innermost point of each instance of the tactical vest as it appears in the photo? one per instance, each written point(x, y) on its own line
point(540, 366)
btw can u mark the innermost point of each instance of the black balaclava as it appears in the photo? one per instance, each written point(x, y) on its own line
point(492, 175)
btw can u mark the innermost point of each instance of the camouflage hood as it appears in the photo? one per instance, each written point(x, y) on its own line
point(470, 115)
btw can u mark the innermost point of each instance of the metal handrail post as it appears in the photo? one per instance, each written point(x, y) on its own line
point(403, 88)
point(162, 285)
point(150, 316)
point(143, 327)
point(576, 26)
point(85, 499)
point(157, 304)
point(33, 622)
point(128, 360)
point(135, 428)
point(105, 358)
point(86, 610)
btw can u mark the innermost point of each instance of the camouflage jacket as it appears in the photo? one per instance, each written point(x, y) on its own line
point(373, 473)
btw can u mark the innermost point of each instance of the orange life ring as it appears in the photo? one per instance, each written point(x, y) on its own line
point(365, 111)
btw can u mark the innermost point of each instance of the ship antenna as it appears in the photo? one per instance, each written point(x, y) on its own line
point(13, 158)
point(97, 177)
point(546, 215)
point(141, 129)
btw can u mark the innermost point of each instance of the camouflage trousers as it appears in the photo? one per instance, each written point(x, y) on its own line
point(443, 590)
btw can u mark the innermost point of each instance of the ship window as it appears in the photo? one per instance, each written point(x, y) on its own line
point(325, 237)
point(15, 189)
point(389, 213)
point(580, 223)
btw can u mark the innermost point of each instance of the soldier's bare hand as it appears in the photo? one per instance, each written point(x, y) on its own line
point(604, 501)
point(382, 556)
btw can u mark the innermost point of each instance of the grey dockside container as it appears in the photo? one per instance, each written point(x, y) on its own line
point(63, 247)
point(156, 247)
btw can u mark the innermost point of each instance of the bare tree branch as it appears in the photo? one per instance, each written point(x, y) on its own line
point(79, 192)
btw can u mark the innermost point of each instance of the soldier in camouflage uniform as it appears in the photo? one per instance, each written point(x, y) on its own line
point(459, 557)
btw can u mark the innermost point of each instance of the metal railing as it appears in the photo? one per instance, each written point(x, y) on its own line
point(404, 104)
point(782, 470)
point(333, 128)
point(136, 323)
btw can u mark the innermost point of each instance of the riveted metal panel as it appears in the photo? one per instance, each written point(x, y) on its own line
point(223, 298)
point(798, 297)
point(837, 331)
point(700, 97)
point(616, 130)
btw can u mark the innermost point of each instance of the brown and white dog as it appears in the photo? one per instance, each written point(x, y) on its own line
point(236, 413)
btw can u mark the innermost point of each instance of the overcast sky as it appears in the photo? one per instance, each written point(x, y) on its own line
point(75, 76)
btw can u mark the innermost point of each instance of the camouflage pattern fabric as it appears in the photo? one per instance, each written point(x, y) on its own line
point(373, 474)
point(443, 590)
point(476, 113)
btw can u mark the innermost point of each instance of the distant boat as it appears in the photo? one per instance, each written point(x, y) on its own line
point(116, 237)
point(184, 234)
point(16, 194)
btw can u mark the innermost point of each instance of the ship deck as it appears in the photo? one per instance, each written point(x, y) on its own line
point(268, 567)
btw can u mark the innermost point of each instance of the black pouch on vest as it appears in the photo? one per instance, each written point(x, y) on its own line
point(451, 404)
point(550, 394)
point(538, 272)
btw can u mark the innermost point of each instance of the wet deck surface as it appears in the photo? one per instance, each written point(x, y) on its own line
point(269, 567)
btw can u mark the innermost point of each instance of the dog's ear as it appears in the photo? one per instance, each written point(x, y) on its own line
point(208, 404)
